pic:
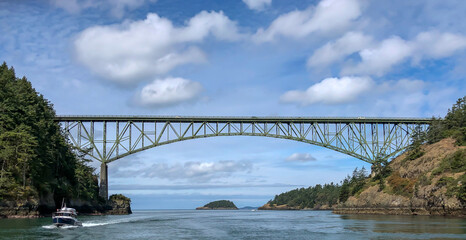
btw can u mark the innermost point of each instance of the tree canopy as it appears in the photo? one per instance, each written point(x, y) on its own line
point(35, 157)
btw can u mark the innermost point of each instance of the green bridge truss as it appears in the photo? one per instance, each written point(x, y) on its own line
point(108, 138)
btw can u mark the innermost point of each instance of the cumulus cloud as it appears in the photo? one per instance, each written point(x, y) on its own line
point(435, 44)
point(193, 171)
point(257, 4)
point(327, 16)
point(337, 50)
point(117, 8)
point(330, 91)
point(169, 91)
point(300, 157)
point(381, 58)
point(397, 98)
point(135, 51)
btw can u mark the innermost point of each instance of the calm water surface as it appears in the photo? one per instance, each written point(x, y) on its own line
point(191, 224)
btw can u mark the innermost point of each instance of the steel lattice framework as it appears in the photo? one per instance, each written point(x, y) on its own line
point(113, 137)
point(108, 138)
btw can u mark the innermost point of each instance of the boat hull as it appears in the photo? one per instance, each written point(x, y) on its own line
point(66, 222)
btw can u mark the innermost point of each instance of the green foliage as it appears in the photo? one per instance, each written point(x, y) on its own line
point(424, 181)
point(328, 194)
point(353, 185)
point(444, 181)
point(221, 204)
point(309, 197)
point(454, 125)
point(453, 163)
point(401, 186)
point(414, 149)
point(344, 191)
point(382, 170)
point(461, 189)
point(119, 197)
point(358, 180)
point(35, 157)
point(455, 187)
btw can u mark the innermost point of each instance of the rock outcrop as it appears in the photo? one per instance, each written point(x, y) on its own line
point(119, 205)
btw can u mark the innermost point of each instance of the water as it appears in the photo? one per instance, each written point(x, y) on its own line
point(191, 224)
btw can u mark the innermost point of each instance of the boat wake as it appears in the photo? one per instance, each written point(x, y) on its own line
point(116, 221)
point(95, 223)
point(62, 227)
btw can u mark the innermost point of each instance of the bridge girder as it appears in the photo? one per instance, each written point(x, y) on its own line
point(112, 137)
point(108, 138)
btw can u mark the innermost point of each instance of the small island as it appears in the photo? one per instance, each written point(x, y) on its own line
point(219, 205)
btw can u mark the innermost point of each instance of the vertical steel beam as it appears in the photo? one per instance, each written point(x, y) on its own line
point(130, 135)
point(104, 147)
point(79, 134)
point(118, 138)
point(92, 136)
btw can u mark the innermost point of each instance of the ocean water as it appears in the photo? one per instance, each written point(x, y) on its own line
point(242, 224)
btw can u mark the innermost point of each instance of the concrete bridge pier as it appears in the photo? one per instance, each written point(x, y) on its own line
point(103, 187)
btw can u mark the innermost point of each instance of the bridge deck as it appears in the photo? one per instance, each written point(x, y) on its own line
point(113, 118)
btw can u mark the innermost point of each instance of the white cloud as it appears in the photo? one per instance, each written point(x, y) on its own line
point(335, 51)
point(135, 51)
point(117, 8)
point(388, 98)
point(438, 45)
point(330, 91)
point(379, 60)
point(327, 16)
point(383, 57)
point(169, 91)
point(257, 4)
point(300, 157)
point(193, 171)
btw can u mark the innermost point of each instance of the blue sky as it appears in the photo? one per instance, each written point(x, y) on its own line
point(237, 58)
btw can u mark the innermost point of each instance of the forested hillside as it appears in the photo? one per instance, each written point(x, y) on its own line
point(319, 197)
point(36, 160)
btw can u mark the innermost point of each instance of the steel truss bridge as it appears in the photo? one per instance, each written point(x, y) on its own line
point(108, 138)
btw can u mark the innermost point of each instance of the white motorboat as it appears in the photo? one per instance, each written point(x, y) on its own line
point(65, 217)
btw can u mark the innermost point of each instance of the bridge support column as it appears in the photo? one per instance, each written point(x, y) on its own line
point(103, 188)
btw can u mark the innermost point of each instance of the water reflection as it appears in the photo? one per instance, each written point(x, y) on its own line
point(406, 224)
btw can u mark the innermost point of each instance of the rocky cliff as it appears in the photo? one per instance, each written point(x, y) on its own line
point(118, 205)
point(32, 208)
point(432, 184)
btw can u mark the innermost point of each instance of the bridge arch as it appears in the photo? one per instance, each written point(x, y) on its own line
point(109, 138)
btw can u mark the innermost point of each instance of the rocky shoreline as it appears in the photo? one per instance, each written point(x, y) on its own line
point(219, 208)
point(286, 207)
point(436, 211)
point(44, 207)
